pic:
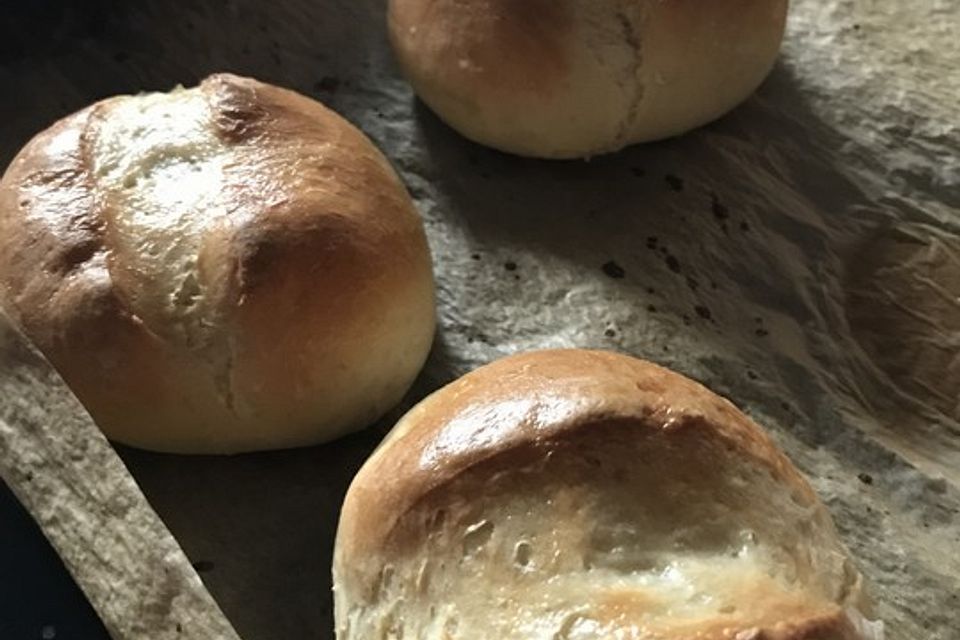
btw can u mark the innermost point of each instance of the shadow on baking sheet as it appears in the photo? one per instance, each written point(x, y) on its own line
point(768, 205)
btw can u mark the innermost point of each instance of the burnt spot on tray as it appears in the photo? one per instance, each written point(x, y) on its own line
point(719, 210)
point(477, 336)
point(703, 312)
point(675, 183)
point(613, 270)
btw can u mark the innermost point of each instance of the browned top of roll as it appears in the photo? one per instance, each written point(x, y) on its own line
point(216, 243)
point(590, 491)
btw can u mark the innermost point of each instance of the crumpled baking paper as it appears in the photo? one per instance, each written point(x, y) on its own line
point(800, 256)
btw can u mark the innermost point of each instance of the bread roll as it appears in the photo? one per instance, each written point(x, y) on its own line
point(583, 495)
point(220, 269)
point(576, 78)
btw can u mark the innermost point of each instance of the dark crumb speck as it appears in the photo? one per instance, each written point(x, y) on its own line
point(744, 226)
point(28, 476)
point(638, 172)
point(121, 56)
point(758, 320)
point(751, 375)
point(510, 265)
point(179, 628)
point(720, 211)
point(762, 333)
point(610, 333)
point(475, 256)
point(202, 566)
point(785, 406)
point(703, 312)
point(673, 264)
point(865, 478)
point(327, 84)
point(651, 308)
point(686, 319)
point(516, 276)
point(478, 336)
point(652, 242)
point(713, 284)
point(856, 27)
point(675, 183)
point(651, 291)
point(692, 283)
point(613, 270)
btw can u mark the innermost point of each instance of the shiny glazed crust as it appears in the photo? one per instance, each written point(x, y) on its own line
point(220, 269)
point(584, 494)
point(575, 78)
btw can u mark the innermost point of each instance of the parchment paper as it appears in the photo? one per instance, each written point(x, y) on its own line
point(801, 256)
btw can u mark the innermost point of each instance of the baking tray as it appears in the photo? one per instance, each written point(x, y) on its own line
point(800, 256)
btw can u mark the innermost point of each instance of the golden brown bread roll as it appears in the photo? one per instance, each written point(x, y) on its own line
point(575, 78)
point(220, 269)
point(565, 495)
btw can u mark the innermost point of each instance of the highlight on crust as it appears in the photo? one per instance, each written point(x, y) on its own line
point(209, 269)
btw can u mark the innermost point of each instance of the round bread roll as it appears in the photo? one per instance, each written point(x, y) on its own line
point(221, 269)
point(578, 495)
point(577, 78)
